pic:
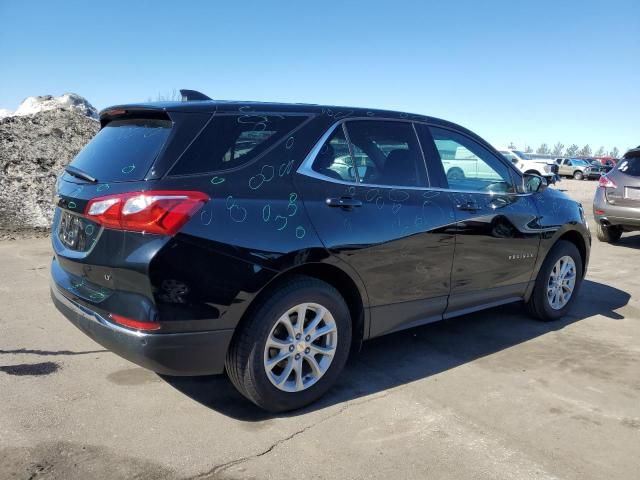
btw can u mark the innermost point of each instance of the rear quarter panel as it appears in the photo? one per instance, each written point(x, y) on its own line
point(253, 229)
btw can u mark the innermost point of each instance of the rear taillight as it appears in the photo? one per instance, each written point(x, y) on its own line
point(606, 182)
point(158, 211)
point(137, 324)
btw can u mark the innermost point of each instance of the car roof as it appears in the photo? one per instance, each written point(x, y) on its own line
point(334, 112)
point(247, 106)
point(634, 152)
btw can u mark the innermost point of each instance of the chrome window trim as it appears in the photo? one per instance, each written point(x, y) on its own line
point(306, 170)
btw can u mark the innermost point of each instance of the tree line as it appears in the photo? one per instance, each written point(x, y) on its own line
point(559, 150)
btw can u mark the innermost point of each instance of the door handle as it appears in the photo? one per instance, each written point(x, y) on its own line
point(343, 202)
point(468, 207)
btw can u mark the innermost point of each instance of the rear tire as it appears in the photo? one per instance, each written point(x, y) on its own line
point(608, 234)
point(540, 304)
point(302, 375)
point(578, 175)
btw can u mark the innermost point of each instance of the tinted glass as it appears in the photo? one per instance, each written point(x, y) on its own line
point(470, 166)
point(387, 153)
point(229, 141)
point(123, 150)
point(509, 156)
point(630, 166)
point(334, 159)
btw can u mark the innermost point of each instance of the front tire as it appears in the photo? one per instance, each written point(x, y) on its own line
point(558, 282)
point(578, 175)
point(608, 234)
point(293, 345)
point(455, 173)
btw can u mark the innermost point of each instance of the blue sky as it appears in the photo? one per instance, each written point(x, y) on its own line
point(527, 72)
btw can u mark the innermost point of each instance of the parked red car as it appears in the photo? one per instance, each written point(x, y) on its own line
point(607, 161)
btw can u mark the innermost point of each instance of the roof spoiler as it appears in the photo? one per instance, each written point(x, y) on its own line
point(193, 95)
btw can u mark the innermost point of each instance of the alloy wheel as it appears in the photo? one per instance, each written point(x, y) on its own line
point(562, 282)
point(300, 347)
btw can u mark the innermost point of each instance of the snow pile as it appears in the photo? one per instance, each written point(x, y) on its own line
point(69, 101)
point(34, 149)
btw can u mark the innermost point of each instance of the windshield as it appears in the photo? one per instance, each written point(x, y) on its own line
point(577, 161)
point(522, 155)
point(123, 150)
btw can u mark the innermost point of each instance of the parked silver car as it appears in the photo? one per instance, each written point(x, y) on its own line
point(579, 168)
point(616, 205)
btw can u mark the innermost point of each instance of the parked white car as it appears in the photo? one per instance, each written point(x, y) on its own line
point(465, 164)
point(526, 164)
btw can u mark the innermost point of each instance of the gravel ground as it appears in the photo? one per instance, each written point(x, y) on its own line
point(485, 396)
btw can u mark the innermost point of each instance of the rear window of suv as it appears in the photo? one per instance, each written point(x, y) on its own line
point(630, 166)
point(123, 150)
point(229, 141)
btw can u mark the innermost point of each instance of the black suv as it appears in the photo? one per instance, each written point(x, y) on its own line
point(267, 239)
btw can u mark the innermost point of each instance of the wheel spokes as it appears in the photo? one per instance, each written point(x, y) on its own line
point(280, 379)
point(297, 368)
point(321, 332)
point(296, 355)
point(316, 321)
point(273, 361)
point(562, 280)
point(274, 342)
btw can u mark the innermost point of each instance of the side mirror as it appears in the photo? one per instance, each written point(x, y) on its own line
point(532, 183)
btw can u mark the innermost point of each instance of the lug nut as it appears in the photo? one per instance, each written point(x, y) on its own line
point(297, 356)
point(307, 338)
point(307, 350)
point(291, 348)
point(298, 336)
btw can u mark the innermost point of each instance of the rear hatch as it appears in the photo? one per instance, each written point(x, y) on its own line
point(626, 177)
point(98, 260)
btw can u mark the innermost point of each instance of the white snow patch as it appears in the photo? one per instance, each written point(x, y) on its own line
point(41, 103)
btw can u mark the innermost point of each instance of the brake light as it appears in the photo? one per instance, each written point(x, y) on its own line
point(158, 211)
point(138, 325)
point(606, 182)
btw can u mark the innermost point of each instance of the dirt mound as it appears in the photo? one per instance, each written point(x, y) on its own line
point(34, 149)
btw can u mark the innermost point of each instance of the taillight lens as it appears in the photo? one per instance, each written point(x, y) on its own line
point(137, 324)
point(158, 211)
point(606, 182)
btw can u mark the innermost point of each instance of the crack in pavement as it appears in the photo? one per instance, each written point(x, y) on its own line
point(213, 473)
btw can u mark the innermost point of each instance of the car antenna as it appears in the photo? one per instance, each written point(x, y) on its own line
point(193, 95)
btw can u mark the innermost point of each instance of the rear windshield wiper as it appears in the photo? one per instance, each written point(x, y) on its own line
point(76, 172)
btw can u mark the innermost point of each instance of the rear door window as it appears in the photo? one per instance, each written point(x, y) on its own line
point(334, 159)
point(386, 153)
point(630, 166)
point(123, 150)
point(229, 141)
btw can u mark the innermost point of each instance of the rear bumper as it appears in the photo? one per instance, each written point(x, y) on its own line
point(614, 214)
point(192, 353)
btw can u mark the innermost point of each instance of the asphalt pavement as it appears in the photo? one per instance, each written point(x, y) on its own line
point(489, 395)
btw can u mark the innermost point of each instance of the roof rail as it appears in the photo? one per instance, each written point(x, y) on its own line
point(193, 95)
